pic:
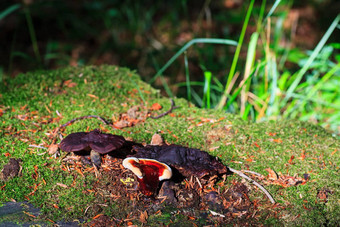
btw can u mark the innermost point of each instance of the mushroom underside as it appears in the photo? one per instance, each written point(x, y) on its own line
point(149, 173)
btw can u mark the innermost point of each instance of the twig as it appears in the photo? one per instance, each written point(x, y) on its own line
point(56, 131)
point(36, 146)
point(107, 122)
point(198, 181)
point(252, 172)
point(167, 112)
point(254, 182)
point(216, 214)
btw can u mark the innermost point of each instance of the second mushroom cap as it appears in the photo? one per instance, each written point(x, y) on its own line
point(94, 141)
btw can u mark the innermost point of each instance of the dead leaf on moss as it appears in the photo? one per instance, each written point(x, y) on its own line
point(133, 116)
point(323, 194)
point(283, 180)
point(52, 149)
point(272, 174)
point(69, 83)
point(157, 139)
point(92, 96)
point(156, 106)
point(143, 217)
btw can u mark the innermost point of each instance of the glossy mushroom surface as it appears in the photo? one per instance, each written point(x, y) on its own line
point(149, 173)
point(188, 161)
point(94, 141)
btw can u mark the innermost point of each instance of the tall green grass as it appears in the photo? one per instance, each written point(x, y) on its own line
point(263, 88)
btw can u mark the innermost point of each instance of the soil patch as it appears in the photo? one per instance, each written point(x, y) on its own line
point(119, 201)
point(11, 169)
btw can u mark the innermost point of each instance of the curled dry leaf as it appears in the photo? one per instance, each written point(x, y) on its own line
point(69, 83)
point(284, 180)
point(157, 140)
point(156, 106)
point(272, 174)
point(52, 149)
point(62, 185)
point(143, 217)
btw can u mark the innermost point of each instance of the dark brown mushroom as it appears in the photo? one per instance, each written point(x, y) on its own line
point(187, 161)
point(95, 141)
point(149, 173)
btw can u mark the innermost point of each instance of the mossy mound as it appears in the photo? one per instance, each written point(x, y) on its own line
point(33, 105)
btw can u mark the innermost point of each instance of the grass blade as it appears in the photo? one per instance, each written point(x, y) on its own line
point(207, 83)
point(236, 55)
point(32, 34)
point(186, 46)
point(311, 93)
point(238, 90)
point(251, 54)
point(9, 10)
point(271, 11)
point(187, 79)
point(310, 60)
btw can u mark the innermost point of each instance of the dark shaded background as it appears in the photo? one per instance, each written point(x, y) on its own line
point(142, 35)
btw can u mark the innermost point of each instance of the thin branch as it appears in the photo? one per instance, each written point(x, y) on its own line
point(252, 172)
point(107, 122)
point(57, 130)
point(167, 112)
point(254, 182)
point(37, 146)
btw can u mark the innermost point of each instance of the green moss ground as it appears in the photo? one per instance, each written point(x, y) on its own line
point(30, 103)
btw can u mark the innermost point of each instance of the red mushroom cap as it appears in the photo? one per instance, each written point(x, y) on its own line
point(149, 173)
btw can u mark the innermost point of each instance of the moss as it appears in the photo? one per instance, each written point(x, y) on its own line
point(34, 104)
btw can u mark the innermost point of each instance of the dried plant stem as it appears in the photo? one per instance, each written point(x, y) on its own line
point(167, 112)
point(107, 122)
point(37, 146)
point(252, 172)
point(254, 182)
point(57, 130)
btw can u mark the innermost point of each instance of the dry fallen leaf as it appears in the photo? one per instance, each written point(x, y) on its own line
point(156, 106)
point(62, 185)
point(52, 149)
point(272, 174)
point(69, 83)
point(290, 161)
point(156, 139)
point(143, 217)
point(92, 96)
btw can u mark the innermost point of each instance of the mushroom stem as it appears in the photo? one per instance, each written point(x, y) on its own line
point(95, 158)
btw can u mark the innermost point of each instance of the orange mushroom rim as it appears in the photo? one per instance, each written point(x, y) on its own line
point(145, 167)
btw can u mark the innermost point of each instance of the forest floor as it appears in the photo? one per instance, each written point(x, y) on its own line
point(297, 162)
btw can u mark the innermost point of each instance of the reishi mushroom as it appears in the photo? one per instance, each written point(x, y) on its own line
point(149, 173)
point(187, 161)
point(95, 142)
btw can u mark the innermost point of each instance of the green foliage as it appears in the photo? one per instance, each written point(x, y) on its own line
point(267, 90)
